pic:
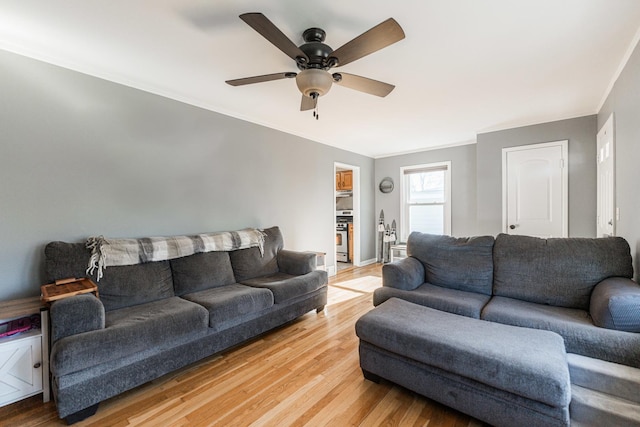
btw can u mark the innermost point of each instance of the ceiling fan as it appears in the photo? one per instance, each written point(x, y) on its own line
point(314, 59)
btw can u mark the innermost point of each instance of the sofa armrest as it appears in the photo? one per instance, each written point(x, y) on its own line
point(615, 304)
point(296, 263)
point(407, 274)
point(75, 315)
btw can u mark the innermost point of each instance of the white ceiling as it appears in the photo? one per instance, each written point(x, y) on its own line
point(465, 67)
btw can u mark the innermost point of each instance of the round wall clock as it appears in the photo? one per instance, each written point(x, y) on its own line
point(386, 185)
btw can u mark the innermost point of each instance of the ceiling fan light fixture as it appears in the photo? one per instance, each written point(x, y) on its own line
point(314, 59)
point(314, 80)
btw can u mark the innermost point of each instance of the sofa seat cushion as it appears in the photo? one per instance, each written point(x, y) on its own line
point(231, 305)
point(580, 335)
point(463, 303)
point(557, 271)
point(286, 287)
point(465, 263)
point(130, 330)
point(201, 271)
point(526, 362)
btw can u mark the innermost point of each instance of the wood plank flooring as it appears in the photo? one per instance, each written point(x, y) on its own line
point(303, 374)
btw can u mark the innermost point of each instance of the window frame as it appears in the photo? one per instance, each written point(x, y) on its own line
point(405, 171)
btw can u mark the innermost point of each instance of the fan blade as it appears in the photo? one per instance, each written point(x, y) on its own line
point(260, 79)
point(308, 103)
point(380, 36)
point(269, 31)
point(363, 84)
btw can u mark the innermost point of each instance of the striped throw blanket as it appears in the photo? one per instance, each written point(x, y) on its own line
point(109, 252)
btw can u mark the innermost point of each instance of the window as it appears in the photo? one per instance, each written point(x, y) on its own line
point(426, 199)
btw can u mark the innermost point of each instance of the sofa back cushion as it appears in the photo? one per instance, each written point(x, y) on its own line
point(63, 260)
point(249, 263)
point(464, 263)
point(121, 286)
point(128, 285)
point(557, 271)
point(201, 271)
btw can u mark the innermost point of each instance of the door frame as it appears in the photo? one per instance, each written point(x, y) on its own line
point(609, 126)
point(564, 145)
point(356, 213)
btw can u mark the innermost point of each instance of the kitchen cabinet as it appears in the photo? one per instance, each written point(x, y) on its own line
point(344, 180)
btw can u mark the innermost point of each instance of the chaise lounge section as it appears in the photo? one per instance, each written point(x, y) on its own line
point(502, 374)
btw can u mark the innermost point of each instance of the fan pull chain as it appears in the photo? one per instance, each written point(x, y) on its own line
point(315, 96)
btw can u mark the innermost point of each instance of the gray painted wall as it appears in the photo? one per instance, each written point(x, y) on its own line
point(463, 188)
point(581, 133)
point(624, 102)
point(81, 156)
point(476, 183)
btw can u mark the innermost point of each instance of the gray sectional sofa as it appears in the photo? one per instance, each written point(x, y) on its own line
point(156, 317)
point(579, 290)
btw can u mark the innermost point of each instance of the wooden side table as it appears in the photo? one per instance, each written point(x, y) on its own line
point(67, 288)
point(398, 251)
point(24, 357)
point(320, 260)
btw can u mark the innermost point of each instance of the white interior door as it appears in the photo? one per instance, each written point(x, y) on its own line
point(606, 181)
point(535, 190)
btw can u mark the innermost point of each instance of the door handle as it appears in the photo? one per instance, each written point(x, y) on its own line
point(610, 222)
point(513, 226)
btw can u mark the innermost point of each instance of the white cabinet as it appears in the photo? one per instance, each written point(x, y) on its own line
point(21, 367)
point(24, 358)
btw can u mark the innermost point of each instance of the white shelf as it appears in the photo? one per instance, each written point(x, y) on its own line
point(398, 252)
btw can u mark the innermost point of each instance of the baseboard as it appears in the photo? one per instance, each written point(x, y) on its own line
point(332, 270)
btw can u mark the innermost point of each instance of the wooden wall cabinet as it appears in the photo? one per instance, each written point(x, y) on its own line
point(344, 180)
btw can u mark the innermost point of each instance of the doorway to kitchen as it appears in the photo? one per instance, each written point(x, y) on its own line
point(346, 216)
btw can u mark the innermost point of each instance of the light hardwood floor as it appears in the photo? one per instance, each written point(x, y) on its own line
point(303, 374)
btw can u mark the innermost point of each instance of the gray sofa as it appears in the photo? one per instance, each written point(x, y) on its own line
point(156, 317)
point(579, 288)
point(484, 325)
